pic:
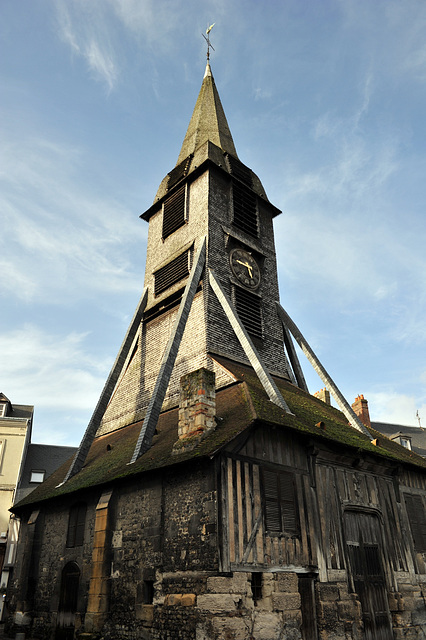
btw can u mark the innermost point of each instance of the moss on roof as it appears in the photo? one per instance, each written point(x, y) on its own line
point(238, 407)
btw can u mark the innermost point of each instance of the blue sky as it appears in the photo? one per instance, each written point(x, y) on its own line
point(326, 103)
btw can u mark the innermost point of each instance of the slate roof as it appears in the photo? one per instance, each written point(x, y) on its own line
point(416, 434)
point(208, 121)
point(208, 140)
point(240, 406)
point(41, 457)
point(23, 411)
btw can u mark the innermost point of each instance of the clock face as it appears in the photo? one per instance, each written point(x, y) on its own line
point(245, 268)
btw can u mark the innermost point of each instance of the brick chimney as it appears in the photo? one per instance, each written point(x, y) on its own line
point(323, 395)
point(360, 407)
point(197, 404)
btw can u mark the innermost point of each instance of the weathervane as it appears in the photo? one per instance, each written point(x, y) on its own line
point(209, 44)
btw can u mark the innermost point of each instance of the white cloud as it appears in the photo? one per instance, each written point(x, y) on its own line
point(53, 371)
point(396, 408)
point(102, 63)
point(84, 27)
point(58, 233)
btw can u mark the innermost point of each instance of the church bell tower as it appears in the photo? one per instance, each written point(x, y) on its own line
point(209, 202)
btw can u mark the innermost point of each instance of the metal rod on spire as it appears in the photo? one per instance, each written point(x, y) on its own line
point(207, 39)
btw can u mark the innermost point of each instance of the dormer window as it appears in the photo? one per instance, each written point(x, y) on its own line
point(3, 409)
point(405, 442)
point(37, 476)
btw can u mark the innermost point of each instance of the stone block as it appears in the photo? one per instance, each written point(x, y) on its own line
point(224, 629)
point(328, 613)
point(188, 600)
point(347, 610)
point(286, 582)
point(145, 613)
point(98, 555)
point(328, 593)
point(237, 583)
point(217, 603)
point(173, 599)
point(285, 601)
point(268, 625)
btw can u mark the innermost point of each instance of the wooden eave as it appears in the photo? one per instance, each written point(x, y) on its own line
point(208, 163)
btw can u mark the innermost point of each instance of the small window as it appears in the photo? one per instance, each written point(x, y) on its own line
point(405, 442)
point(249, 309)
point(37, 476)
point(76, 522)
point(256, 586)
point(174, 212)
point(148, 591)
point(417, 519)
point(280, 502)
point(2, 409)
point(171, 273)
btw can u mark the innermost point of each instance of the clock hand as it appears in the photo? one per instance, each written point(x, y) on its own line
point(249, 267)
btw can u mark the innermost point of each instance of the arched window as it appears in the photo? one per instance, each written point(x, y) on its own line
point(76, 522)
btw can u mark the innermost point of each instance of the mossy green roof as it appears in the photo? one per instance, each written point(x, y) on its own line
point(238, 407)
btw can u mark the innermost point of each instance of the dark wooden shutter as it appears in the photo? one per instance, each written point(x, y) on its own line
point(280, 502)
point(287, 501)
point(245, 209)
point(249, 309)
point(171, 273)
point(417, 518)
point(272, 501)
point(174, 212)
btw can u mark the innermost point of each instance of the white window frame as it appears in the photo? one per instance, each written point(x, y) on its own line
point(37, 472)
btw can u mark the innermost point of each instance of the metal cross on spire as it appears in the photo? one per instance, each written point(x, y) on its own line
point(207, 39)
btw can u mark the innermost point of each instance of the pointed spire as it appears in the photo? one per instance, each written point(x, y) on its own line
point(208, 121)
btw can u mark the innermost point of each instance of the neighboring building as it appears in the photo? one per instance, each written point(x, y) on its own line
point(15, 435)
point(23, 467)
point(412, 438)
point(212, 496)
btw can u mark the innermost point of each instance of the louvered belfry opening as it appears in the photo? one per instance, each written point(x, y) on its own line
point(171, 273)
point(245, 210)
point(244, 199)
point(174, 212)
point(239, 170)
point(280, 502)
point(249, 309)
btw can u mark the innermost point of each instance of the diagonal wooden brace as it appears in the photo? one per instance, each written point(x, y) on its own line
point(247, 344)
point(153, 411)
point(344, 406)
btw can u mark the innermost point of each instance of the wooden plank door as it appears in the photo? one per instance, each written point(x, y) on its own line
point(364, 545)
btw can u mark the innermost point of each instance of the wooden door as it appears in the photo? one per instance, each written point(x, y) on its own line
point(364, 545)
point(68, 602)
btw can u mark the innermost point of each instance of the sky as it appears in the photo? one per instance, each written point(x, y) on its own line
point(326, 102)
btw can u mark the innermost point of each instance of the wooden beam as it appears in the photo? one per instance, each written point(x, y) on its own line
point(344, 406)
point(247, 344)
point(154, 407)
